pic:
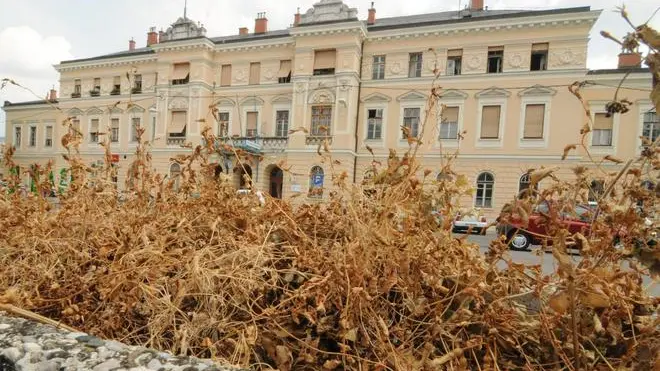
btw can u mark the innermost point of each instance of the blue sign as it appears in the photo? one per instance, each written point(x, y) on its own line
point(317, 180)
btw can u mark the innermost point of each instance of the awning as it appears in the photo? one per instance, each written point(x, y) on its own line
point(325, 59)
point(181, 71)
point(285, 69)
point(178, 123)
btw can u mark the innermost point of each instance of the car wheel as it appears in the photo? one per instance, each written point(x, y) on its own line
point(519, 240)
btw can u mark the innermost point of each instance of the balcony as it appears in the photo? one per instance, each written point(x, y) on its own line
point(95, 93)
point(115, 91)
point(176, 141)
point(75, 95)
point(257, 144)
point(318, 139)
point(136, 90)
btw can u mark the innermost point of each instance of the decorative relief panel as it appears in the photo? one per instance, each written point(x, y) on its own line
point(269, 75)
point(323, 96)
point(396, 69)
point(241, 75)
point(567, 58)
point(178, 104)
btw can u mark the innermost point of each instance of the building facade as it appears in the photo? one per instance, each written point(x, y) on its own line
point(331, 77)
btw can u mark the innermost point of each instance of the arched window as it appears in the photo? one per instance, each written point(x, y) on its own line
point(485, 183)
point(245, 176)
point(524, 184)
point(596, 188)
point(316, 182)
point(175, 174)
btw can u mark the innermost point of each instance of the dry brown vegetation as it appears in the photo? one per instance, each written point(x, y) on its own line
point(364, 281)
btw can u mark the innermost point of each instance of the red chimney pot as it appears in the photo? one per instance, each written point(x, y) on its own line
point(261, 23)
point(372, 14)
point(243, 31)
point(630, 60)
point(152, 36)
point(476, 4)
point(131, 44)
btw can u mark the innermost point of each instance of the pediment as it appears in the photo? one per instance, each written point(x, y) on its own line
point(281, 99)
point(75, 112)
point(116, 110)
point(453, 94)
point(225, 102)
point(376, 98)
point(412, 96)
point(537, 90)
point(252, 101)
point(94, 111)
point(493, 92)
point(324, 96)
point(135, 109)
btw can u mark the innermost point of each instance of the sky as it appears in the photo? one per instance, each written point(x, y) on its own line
point(35, 34)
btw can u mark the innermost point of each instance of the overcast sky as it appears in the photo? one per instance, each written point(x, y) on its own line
point(35, 34)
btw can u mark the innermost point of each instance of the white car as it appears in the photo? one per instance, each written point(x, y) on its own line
point(473, 219)
point(260, 196)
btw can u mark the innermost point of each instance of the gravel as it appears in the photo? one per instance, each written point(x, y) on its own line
point(27, 345)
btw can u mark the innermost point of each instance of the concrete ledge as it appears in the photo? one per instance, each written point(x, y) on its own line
point(27, 345)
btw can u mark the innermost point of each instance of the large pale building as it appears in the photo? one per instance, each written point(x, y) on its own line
point(503, 76)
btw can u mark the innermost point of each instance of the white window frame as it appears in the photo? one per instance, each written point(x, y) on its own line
point(36, 135)
point(531, 142)
point(13, 139)
point(217, 124)
point(280, 107)
point(374, 64)
point(495, 101)
point(643, 106)
point(493, 205)
point(52, 139)
point(244, 111)
point(118, 142)
point(130, 127)
point(403, 142)
point(89, 129)
point(451, 143)
point(599, 107)
point(383, 129)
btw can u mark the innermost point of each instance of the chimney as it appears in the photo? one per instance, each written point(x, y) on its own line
point(372, 14)
point(52, 95)
point(630, 60)
point(152, 36)
point(243, 31)
point(161, 36)
point(131, 44)
point(296, 18)
point(476, 5)
point(261, 23)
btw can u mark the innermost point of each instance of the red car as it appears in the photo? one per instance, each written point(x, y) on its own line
point(520, 236)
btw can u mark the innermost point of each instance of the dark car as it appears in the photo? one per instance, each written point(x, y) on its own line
point(520, 236)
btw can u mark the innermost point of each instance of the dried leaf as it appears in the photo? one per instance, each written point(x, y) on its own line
point(559, 302)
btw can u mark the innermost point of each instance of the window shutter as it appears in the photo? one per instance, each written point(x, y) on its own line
point(285, 69)
point(181, 71)
point(450, 114)
point(255, 73)
point(534, 115)
point(490, 122)
point(539, 47)
point(455, 53)
point(94, 126)
point(601, 121)
point(225, 77)
point(324, 59)
point(178, 123)
point(252, 121)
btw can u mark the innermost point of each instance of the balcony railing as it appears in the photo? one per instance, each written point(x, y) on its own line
point(75, 95)
point(257, 144)
point(94, 93)
point(115, 91)
point(136, 90)
point(176, 141)
point(317, 139)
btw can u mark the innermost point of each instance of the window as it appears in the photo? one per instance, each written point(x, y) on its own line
point(284, 75)
point(374, 124)
point(175, 175)
point(255, 73)
point(177, 128)
point(596, 189)
point(651, 129)
point(539, 60)
point(245, 176)
point(135, 124)
point(449, 123)
point(49, 137)
point(116, 85)
point(33, 136)
point(251, 127)
point(490, 122)
point(153, 129)
point(77, 88)
point(415, 65)
point(324, 62)
point(94, 131)
point(454, 59)
point(495, 58)
point(524, 184)
point(223, 124)
point(485, 183)
point(137, 85)
point(181, 74)
point(534, 117)
point(411, 120)
point(282, 124)
point(96, 88)
point(602, 132)
point(75, 124)
point(378, 67)
point(316, 182)
point(321, 119)
point(225, 75)
point(114, 130)
point(17, 136)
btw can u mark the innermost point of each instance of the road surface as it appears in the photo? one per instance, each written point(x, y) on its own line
point(546, 260)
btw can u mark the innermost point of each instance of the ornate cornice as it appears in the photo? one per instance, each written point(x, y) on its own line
point(330, 29)
point(114, 62)
point(255, 45)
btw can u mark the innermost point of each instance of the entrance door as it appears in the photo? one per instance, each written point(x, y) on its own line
point(276, 180)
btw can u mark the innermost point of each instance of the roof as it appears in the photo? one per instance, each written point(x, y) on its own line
point(250, 37)
point(29, 103)
point(457, 17)
point(125, 53)
point(616, 71)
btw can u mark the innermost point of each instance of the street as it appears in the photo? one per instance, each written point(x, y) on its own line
point(546, 260)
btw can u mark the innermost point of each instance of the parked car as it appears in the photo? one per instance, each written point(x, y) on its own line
point(473, 221)
point(520, 236)
point(260, 196)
